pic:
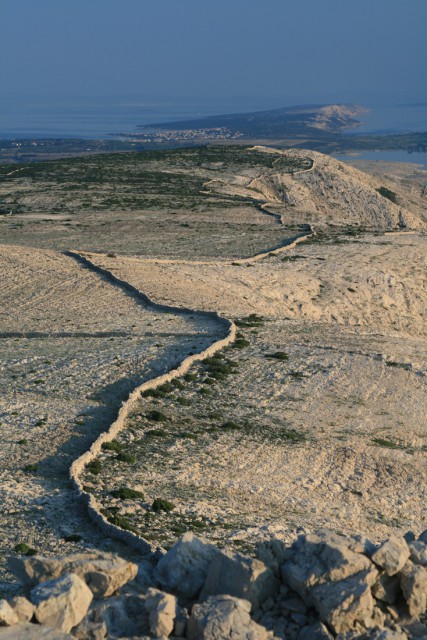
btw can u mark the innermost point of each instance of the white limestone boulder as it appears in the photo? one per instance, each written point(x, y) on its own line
point(32, 632)
point(161, 609)
point(103, 572)
point(223, 617)
point(413, 580)
point(23, 608)
point(240, 576)
point(62, 603)
point(183, 569)
point(7, 615)
point(392, 555)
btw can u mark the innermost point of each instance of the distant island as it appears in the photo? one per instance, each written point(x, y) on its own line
point(273, 123)
point(324, 128)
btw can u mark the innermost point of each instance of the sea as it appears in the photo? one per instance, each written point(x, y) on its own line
point(103, 119)
point(405, 118)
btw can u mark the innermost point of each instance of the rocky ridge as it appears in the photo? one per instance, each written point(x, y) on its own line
point(323, 586)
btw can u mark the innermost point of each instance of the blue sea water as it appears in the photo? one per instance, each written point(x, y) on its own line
point(385, 156)
point(21, 118)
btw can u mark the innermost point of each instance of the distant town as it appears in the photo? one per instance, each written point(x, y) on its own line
point(180, 135)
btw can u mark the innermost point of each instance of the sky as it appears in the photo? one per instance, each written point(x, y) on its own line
point(255, 52)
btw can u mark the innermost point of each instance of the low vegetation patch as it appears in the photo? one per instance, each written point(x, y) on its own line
point(124, 493)
point(113, 445)
point(278, 355)
point(387, 193)
point(160, 504)
point(24, 549)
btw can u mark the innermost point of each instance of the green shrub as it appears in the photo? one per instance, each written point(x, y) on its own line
point(113, 445)
point(156, 416)
point(381, 442)
point(124, 493)
point(253, 320)
point(24, 549)
point(178, 384)
point(205, 391)
point(94, 466)
point(122, 522)
point(153, 393)
point(240, 342)
point(387, 193)
point(74, 537)
point(278, 355)
point(125, 457)
point(184, 402)
point(230, 426)
point(160, 504)
point(156, 433)
point(31, 468)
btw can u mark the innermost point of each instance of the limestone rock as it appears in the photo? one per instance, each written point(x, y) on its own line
point(423, 537)
point(418, 550)
point(34, 569)
point(124, 616)
point(88, 630)
point(316, 631)
point(7, 615)
point(223, 617)
point(341, 604)
point(387, 634)
point(32, 632)
point(321, 558)
point(181, 620)
point(413, 580)
point(183, 569)
point(161, 609)
point(239, 576)
point(392, 555)
point(386, 588)
point(62, 603)
point(273, 553)
point(104, 573)
point(23, 608)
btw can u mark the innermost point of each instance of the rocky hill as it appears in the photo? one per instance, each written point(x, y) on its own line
point(329, 192)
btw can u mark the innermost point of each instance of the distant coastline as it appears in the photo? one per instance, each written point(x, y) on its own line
point(104, 121)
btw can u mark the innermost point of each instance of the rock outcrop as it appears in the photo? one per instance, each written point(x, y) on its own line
point(322, 587)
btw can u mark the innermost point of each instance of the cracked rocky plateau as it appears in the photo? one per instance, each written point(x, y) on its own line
point(333, 434)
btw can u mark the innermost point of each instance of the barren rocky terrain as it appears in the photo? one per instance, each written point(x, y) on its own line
point(315, 416)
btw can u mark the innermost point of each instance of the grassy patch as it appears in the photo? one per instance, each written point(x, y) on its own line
point(113, 445)
point(160, 504)
point(94, 467)
point(123, 456)
point(24, 549)
point(277, 355)
point(124, 493)
point(31, 468)
point(156, 416)
point(388, 444)
point(387, 193)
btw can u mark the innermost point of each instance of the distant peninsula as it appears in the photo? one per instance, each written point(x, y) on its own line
point(273, 123)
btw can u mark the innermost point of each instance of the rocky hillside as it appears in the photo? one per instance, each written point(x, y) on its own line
point(331, 192)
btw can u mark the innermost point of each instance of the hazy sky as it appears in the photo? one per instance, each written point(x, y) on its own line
point(268, 51)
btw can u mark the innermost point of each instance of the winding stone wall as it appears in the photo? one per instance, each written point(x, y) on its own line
point(118, 425)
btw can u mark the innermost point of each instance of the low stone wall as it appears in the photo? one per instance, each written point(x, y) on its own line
point(78, 466)
point(118, 425)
